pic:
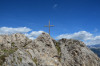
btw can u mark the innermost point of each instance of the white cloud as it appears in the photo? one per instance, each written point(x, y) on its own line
point(34, 34)
point(94, 40)
point(82, 35)
point(85, 36)
point(55, 5)
point(24, 30)
point(95, 30)
point(10, 30)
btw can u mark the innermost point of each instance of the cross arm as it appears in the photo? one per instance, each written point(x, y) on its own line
point(46, 26)
point(51, 25)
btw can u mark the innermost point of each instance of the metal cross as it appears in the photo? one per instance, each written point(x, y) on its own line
point(49, 26)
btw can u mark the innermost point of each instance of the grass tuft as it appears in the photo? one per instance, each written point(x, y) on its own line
point(35, 61)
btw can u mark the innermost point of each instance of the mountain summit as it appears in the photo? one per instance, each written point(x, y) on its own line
point(18, 50)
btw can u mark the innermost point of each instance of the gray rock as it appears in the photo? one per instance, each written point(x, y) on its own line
point(75, 53)
point(18, 50)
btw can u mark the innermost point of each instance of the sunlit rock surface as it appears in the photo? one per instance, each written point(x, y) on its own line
point(18, 50)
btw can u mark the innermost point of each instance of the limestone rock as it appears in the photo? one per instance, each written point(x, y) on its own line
point(18, 50)
point(75, 53)
point(45, 50)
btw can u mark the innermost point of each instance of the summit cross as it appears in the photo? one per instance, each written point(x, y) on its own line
point(49, 26)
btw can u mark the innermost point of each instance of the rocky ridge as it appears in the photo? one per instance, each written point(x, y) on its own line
point(18, 50)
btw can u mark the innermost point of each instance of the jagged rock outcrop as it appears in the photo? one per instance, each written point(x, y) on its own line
point(75, 53)
point(18, 40)
point(18, 50)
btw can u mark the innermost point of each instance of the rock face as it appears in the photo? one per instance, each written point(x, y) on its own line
point(75, 53)
point(18, 50)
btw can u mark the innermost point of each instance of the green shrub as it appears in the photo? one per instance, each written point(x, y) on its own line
point(57, 45)
point(9, 51)
point(35, 61)
point(19, 58)
point(6, 53)
point(13, 44)
point(2, 59)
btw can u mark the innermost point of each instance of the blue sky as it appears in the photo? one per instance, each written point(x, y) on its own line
point(68, 16)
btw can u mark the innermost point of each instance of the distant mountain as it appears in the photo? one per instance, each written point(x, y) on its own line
point(96, 50)
point(94, 46)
